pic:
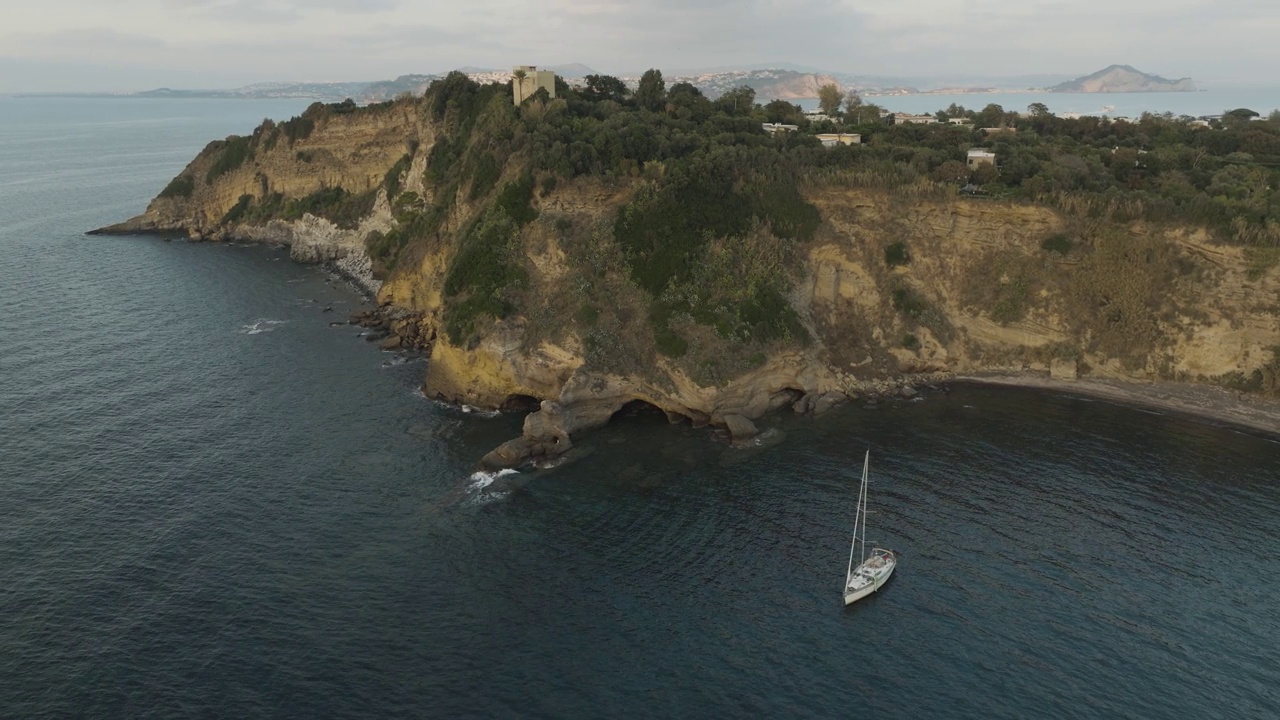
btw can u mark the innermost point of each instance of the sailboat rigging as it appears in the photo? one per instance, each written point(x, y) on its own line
point(873, 570)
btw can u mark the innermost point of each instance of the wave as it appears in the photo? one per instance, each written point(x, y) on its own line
point(480, 479)
point(478, 485)
point(261, 325)
point(398, 360)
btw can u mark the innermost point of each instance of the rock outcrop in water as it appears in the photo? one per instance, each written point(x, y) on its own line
point(1134, 301)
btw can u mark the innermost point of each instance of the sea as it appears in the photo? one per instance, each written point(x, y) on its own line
point(1209, 102)
point(217, 500)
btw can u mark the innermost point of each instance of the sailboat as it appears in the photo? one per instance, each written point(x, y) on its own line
point(873, 570)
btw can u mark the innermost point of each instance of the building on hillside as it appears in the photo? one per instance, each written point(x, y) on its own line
point(528, 79)
point(775, 128)
point(978, 157)
point(816, 116)
point(998, 130)
point(905, 119)
point(960, 121)
point(833, 139)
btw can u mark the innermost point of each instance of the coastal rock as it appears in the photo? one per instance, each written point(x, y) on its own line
point(804, 404)
point(1062, 369)
point(739, 427)
point(827, 402)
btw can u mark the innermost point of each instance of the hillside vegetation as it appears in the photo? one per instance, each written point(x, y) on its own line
point(663, 236)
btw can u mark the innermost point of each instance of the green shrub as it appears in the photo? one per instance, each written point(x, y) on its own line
point(909, 302)
point(896, 254)
point(1057, 243)
point(299, 128)
point(515, 198)
point(1260, 260)
point(235, 151)
point(1011, 301)
point(481, 274)
point(911, 342)
point(335, 204)
point(179, 187)
point(669, 343)
point(237, 211)
point(587, 315)
point(485, 176)
point(392, 180)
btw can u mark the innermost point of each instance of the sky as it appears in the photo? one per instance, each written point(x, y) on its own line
point(123, 45)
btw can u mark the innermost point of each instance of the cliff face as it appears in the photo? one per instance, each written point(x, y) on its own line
point(891, 284)
point(351, 152)
point(795, 88)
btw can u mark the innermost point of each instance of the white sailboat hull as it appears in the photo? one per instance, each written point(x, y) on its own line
point(873, 570)
point(870, 576)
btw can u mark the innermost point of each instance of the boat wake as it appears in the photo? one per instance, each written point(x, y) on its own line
point(261, 325)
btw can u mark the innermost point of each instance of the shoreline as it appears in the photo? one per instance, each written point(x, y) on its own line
point(1202, 402)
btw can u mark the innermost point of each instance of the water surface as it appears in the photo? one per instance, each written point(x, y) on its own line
point(217, 504)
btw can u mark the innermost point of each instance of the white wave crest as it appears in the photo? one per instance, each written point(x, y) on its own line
point(480, 480)
point(261, 325)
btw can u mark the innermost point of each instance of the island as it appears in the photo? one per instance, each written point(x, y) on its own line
point(1123, 79)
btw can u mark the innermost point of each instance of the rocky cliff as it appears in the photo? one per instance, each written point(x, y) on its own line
point(892, 287)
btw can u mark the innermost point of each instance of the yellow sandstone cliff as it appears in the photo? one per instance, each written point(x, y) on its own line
point(975, 290)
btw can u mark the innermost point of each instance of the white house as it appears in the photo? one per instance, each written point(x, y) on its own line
point(978, 156)
point(775, 128)
point(905, 119)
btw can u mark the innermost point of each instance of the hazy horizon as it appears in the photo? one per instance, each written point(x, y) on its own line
point(77, 45)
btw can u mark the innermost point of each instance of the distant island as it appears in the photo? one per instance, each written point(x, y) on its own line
point(1123, 79)
point(780, 82)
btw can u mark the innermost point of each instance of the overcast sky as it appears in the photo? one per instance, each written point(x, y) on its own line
point(140, 44)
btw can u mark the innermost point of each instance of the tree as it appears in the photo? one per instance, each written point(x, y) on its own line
point(518, 78)
point(829, 99)
point(652, 93)
point(1238, 117)
point(687, 102)
point(781, 111)
point(852, 102)
point(951, 171)
point(1038, 109)
point(860, 113)
point(985, 174)
point(738, 101)
point(991, 116)
point(604, 87)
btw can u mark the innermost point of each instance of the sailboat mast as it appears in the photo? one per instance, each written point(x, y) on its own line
point(853, 546)
point(862, 503)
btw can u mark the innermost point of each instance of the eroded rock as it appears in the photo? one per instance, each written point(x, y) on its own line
point(739, 427)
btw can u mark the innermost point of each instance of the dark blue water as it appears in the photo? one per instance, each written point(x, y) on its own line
point(215, 504)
